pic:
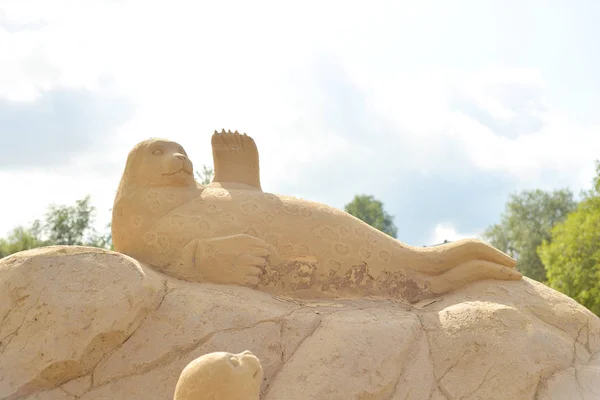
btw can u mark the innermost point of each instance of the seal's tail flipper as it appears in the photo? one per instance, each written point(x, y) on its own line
point(471, 271)
point(236, 159)
point(448, 256)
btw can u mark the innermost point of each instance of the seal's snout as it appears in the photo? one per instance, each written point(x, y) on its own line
point(253, 363)
point(188, 167)
point(186, 163)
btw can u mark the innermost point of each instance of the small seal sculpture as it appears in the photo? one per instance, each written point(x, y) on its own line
point(231, 232)
point(221, 376)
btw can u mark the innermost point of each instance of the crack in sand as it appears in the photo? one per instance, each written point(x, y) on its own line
point(180, 351)
point(438, 384)
point(575, 341)
point(483, 381)
point(165, 291)
point(414, 353)
point(276, 373)
point(15, 332)
point(433, 387)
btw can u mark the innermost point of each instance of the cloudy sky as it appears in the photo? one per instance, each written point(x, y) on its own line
point(440, 109)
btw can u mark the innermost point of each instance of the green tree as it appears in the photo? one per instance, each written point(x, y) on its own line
point(20, 239)
point(101, 240)
point(206, 176)
point(368, 209)
point(527, 221)
point(62, 225)
point(572, 256)
point(70, 225)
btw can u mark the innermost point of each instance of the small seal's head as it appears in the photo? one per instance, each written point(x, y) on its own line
point(221, 376)
point(158, 163)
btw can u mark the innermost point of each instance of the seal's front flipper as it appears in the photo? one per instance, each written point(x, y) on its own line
point(236, 160)
point(236, 259)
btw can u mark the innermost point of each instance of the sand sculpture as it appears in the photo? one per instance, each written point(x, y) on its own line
point(87, 323)
point(81, 323)
point(231, 232)
point(221, 376)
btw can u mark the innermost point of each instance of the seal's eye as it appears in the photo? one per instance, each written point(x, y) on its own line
point(234, 361)
point(158, 152)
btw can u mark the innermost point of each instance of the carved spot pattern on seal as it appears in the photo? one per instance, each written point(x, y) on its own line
point(364, 253)
point(270, 217)
point(164, 241)
point(268, 197)
point(334, 266)
point(384, 255)
point(304, 250)
point(253, 232)
point(177, 220)
point(250, 207)
point(227, 218)
point(342, 249)
point(371, 239)
point(272, 240)
point(149, 238)
point(326, 210)
point(291, 209)
point(287, 251)
point(305, 212)
point(221, 193)
point(327, 233)
point(209, 251)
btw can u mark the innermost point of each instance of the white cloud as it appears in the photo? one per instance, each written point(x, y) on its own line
point(193, 67)
point(478, 86)
point(31, 193)
point(421, 104)
point(446, 231)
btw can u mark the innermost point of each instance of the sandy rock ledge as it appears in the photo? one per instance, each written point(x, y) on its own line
point(83, 323)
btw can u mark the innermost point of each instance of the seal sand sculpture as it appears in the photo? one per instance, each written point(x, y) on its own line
point(232, 232)
point(221, 376)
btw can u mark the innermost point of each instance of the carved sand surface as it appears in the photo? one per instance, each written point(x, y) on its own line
point(84, 323)
point(232, 232)
point(227, 292)
point(219, 376)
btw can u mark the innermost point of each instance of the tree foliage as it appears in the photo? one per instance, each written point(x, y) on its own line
point(371, 211)
point(62, 225)
point(103, 240)
point(21, 238)
point(527, 221)
point(572, 256)
point(70, 225)
point(206, 176)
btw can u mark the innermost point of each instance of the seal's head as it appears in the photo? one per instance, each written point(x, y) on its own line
point(221, 376)
point(158, 163)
